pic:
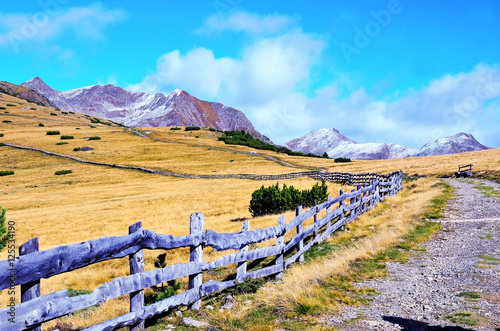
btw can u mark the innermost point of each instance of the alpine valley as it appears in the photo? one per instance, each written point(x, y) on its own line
point(179, 108)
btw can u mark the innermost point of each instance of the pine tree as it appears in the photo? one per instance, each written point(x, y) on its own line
point(4, 235)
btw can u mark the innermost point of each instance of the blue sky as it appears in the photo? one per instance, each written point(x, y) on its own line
point(378, 71)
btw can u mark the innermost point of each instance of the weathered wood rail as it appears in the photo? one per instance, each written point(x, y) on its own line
point(32, 265)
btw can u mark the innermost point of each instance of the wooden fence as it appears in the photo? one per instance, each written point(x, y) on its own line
point(339, 177)
point(32, 265)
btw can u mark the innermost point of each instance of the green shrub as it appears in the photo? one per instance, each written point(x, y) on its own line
point(325, 155)
point(246, 139)
point(273, 200)
point(62, 143)
point(63, 172)
point(6, 172)
point(192, 128)
point(33, 108)
point(4, 234)
point(197, 136)
point(53, 114)
point(53, 133)
point(162, 292)
point(6, 121)
point(1, 135)
point(72, 112)
point(57, 109)
point(10, 105)
point(342, 159)
point(41, 124)
point(3, 108)
point(174, 129)
point(67, 137)
point(94, 138)
point(211, 129)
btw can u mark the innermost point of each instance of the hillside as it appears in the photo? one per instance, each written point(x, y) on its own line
point(24, 93)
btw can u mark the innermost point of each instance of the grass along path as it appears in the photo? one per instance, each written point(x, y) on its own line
point(324, 282)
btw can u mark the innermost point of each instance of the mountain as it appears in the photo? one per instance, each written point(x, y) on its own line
point(336, 145)
point(459, 143)
point(140, 109)
point(319, 141)
point(27, 94)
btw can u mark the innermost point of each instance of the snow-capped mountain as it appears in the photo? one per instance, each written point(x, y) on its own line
point(319, 141)
point(139, 109)
point(336, 145)
point(459, 143)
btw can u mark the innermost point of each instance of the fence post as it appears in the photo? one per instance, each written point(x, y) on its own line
point(136, 262)
point(300, 245)
point(197, 225)
point(241, 270)
point(352, 213)
point(342, 207)
point(315, 220)
point(358, 199)
point(328, 211)
point(30, 290)
point(280, 241)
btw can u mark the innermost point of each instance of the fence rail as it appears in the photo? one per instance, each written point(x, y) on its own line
point(32, 265)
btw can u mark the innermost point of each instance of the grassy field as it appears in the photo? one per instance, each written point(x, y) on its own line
point(94, 201)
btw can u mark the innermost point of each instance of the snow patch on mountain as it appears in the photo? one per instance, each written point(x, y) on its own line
point(336, 145)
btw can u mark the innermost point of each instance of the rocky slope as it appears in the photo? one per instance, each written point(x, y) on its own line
point(335, 145)
point(24, 93)
point(139, 109)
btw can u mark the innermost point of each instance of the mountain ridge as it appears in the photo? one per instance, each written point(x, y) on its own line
point(337, 145)
point(141, 109)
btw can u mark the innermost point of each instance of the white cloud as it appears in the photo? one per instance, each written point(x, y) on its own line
point(446, 106)
point(264, 82)
point(271, 82)
point(21, 31)
point(250, 23)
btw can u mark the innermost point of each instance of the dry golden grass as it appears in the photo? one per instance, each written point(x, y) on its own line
point(95, 201)
point(302, 284)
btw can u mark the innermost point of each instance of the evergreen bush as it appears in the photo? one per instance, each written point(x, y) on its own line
point(192, 128)
point(63, 172)
point(342, 159)
point(273, 200)
point(246, 139)
point(53, 133)
point(4, 234)
point(67, 137)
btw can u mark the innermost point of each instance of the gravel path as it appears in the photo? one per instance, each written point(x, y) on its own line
point(458, 273)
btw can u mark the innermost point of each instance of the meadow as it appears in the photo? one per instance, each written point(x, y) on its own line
point(94, 201)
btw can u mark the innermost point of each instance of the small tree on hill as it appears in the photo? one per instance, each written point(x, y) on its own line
point(4, 234)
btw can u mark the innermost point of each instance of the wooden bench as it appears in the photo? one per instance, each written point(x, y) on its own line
point(464, 171)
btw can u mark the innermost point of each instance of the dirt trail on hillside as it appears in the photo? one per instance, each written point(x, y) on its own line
point(452, 285)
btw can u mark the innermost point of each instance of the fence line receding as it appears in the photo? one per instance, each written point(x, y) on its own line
point(33, 265)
